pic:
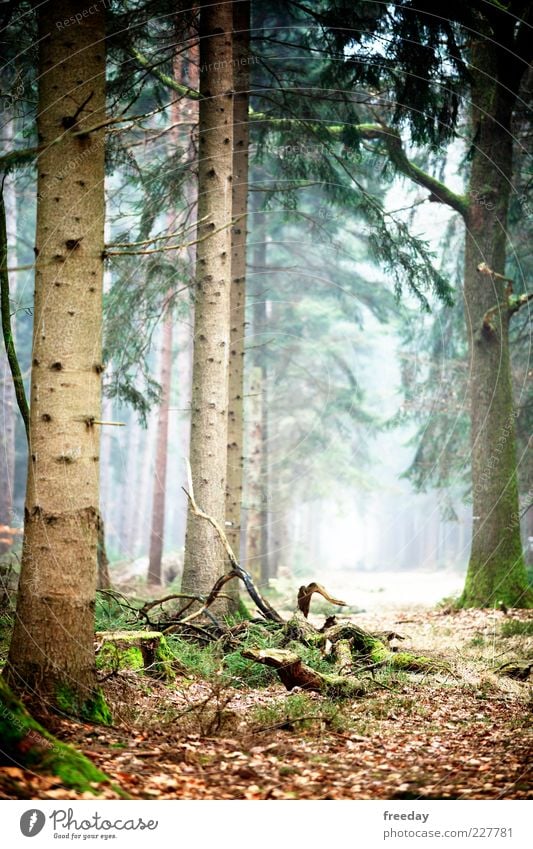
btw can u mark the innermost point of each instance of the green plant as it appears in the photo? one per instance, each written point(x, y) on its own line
point(300, 711)
point(200, 661)
point(517, 627)
point(110, 615)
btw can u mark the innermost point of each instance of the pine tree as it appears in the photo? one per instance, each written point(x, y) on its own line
point(435, 54)
point(52, 648)
point(204, 557)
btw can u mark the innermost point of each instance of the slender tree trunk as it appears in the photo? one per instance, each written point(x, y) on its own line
point(8, 404)
point(204, 556)
point(7, 446)
point(160, 473)
point(185, 318)
point(496, 571)
point(267, 567)
point(254, 527)
point(103, 579)
point(52, 649)
point(261, 316)
point(129, 486)
point(234, 475)
point(179, 109)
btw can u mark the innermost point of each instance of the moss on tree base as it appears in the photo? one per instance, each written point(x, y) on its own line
point(93, 709)
point(498, 582)
point(28, 745)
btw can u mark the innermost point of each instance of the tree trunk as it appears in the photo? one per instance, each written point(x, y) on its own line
point(52, 649)
point(8, 404)
point(185, 319)
point(103, 581)
point(7, 446)
point(204, 556)
point(496, 571)
point(269, 568)
point(254, 527)
point(234, 474)
point(160, 471)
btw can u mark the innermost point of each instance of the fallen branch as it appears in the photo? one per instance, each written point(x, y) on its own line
point(263, 605)
point(293, 672)
point(305, 594)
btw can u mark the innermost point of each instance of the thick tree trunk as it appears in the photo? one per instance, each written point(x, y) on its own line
point(234, 474)
point(204, 556)
point(160, 472)
point(496, 570)
point(52, 649)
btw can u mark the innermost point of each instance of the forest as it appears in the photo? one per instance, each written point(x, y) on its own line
point(266, 525)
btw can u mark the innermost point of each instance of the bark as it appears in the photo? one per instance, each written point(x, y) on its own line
point(186, 316)
point(184, 110)
point(496, 571)
point(269, 564)
point(8, 406)
point(103, 581)
point(52, 651)
point(234, 474)
point(7, 447)
point(130, 485)
point(204, 558)
point(257, 526)
point(254, 527)
point(160, 474)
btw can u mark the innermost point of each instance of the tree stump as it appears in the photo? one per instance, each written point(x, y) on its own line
point(138, 650)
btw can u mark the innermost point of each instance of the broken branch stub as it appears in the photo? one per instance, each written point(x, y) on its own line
point(305, 594)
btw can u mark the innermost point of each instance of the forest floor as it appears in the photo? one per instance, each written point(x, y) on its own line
point(464, 735)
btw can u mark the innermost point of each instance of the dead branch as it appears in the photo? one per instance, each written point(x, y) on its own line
point(305, 594)
point(263, 605)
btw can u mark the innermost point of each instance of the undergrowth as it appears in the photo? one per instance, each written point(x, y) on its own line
point(300, 712)
point(517, 628)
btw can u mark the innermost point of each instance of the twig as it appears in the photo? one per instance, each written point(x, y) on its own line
point(175, 247)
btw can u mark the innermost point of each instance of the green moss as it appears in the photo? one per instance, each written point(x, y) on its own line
point(503, 580)
point(112, 657)
point(27, 743)
point(92, 709)
point(163, 665)
point(412, 662)
point(146, 651)
point(380, 653)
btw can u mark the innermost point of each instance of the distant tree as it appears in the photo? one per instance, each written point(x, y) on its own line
point(434, 55)
point(234, 475)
